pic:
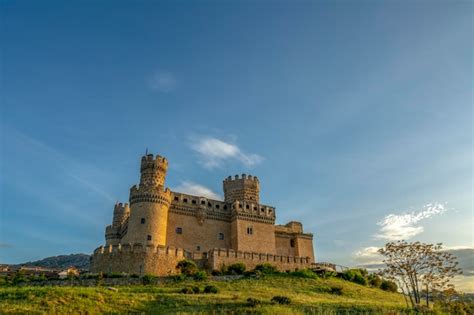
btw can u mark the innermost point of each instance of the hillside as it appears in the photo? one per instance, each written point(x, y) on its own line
point(80, 261)
point(307, 296)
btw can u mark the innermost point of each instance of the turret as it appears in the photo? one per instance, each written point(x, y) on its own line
point(153, 170)
point(245, 188)
point(121, 214)
point(149, 204)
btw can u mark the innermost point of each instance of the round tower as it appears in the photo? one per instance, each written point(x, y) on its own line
point(245, 188)
point(149, 204)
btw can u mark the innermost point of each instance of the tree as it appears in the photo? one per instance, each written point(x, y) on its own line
point(417, 266)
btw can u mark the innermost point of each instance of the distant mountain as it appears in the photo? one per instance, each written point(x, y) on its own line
point(80, 261)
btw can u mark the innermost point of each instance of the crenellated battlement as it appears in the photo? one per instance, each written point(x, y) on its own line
point(243, 188)
point(139, 248)
point(153, 170)
point(239, 178)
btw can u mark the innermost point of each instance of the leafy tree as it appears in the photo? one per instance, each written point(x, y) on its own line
point(417, 266)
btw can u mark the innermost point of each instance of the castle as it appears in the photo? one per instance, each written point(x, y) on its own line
point(160, 227)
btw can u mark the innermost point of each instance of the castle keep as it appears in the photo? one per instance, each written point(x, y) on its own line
point(160, 227)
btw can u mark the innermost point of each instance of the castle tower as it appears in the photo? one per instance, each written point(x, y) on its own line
point(149, 204)
point(246, 188)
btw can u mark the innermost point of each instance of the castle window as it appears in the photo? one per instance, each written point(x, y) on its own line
point(203, 202)
point(149, 237)
point(221, 236)
point(225, 207)
point(254, 208)
point(262, 210)
point(209, 204)
point(217, 206)
point(179, 230)
point(176, 198)
point(142, 221)
point(198, 248)
point(249, 230)
point(292, 243)
point(193, 201)
point(240, 206)
point(185, 199)
point(247, 207)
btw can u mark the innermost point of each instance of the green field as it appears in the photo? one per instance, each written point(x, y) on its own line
point(316, 296)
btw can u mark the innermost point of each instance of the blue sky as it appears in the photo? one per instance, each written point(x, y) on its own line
point(355, 115)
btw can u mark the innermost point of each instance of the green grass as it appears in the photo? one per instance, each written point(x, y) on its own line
point(309, 296)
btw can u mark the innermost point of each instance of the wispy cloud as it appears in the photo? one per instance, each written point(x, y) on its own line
point(192, 188)
point(368, 255)
point(163, 81)
point(213, 152)
point(405, 226)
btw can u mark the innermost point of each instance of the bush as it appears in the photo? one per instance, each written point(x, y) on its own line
point(389, 286)
point(148, 279)
point(375, 281)
point(187, 267)
point(216, 273)
point(196, 290)
point(266, 269)
point(211, 289)
point(253, 302)
point(359, 279)
point(134, 275)
point(304, 273)
point(200, 276)
point(336, 290)
point(187, 290)
point(114, 275)
point(236, 269)
point(354, 275)
point(279, 299)
point(179, 277)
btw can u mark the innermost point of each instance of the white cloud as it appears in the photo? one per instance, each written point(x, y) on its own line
point(405, 226)
point(192, 188)
point(368, 255)
point(163, 82)
point(213, 152)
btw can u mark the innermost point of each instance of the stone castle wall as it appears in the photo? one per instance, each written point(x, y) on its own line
point(136, 259)
point(220, 257)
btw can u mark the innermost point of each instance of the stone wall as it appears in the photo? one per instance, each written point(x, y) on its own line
point(185, 231)
point(136, 259)
point(219, 257)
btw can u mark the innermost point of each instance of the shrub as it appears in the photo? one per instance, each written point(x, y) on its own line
point(179, 277)
point(211, 289)
point(196, 290)
point(389, 286)
point(336, 290)
point(187, 290)
point(187, 267)
point(354, 275)
point(280, 299)
point(216, 273)
point(236, 269)
point(19, 277)
point(134, 275)
point(266, 269)
point(148, 279)
point(304, 273)
point(375, 281)
point(114, 275)
point(253, 302)
point(200, 276)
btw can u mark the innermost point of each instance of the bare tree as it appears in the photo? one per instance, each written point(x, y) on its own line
point(417, 266)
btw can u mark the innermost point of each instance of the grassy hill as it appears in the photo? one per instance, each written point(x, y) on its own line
point(317, 296)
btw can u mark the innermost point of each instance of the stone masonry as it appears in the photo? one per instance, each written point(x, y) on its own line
point(160, 227)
